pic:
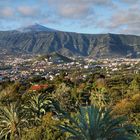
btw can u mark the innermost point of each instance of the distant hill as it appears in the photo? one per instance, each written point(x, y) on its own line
point(55, 57)
point(59, 58)
point(38, 39)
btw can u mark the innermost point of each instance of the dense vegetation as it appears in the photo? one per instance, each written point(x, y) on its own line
point(93, 108)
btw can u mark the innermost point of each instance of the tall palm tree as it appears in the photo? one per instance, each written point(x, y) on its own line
point(11, 122)
point(92, 123)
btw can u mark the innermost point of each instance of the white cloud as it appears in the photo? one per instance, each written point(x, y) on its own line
point(27, 10)
point(120, 16)
point(74, 11)
point(76, 8)
point(6, 12)
point(128, 21)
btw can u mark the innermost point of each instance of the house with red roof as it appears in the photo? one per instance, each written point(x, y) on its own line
point(38, 87)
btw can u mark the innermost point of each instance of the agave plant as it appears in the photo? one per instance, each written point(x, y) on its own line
point(11, 122)
point(38, 105)
point(92, 123)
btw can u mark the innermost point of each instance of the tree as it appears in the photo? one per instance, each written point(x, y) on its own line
point(63, 95)
point(11, 122)
point(134, 86)
point(98, 96)
point(92, 123)
point(9, 94)
point(46, 131)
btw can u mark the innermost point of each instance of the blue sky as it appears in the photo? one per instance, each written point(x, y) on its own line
point(84, 16)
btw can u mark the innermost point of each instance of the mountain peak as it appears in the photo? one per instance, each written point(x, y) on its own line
point(36, 28)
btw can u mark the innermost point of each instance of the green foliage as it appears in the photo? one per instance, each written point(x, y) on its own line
point(37, 105)
point(134, 86)
point(9, 94)
point(26, 115)
point(92, 123)
point(99, 96)
point(11, 122)
point(63, 95)
point(47, 130)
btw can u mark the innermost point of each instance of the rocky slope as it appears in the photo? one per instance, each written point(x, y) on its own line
point(44, 41)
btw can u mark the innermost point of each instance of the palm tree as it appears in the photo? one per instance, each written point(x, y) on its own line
point(11, 122)
point(92, 123)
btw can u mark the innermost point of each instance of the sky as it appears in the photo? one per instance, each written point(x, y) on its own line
point(83, 16)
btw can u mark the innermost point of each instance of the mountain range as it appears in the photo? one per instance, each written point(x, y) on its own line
point(37, 39)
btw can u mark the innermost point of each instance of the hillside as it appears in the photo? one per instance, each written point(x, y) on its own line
point(69, 44)
point(55, 58)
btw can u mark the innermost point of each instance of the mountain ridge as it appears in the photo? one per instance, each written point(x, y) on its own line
point(35, 28)
point(70, 43)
